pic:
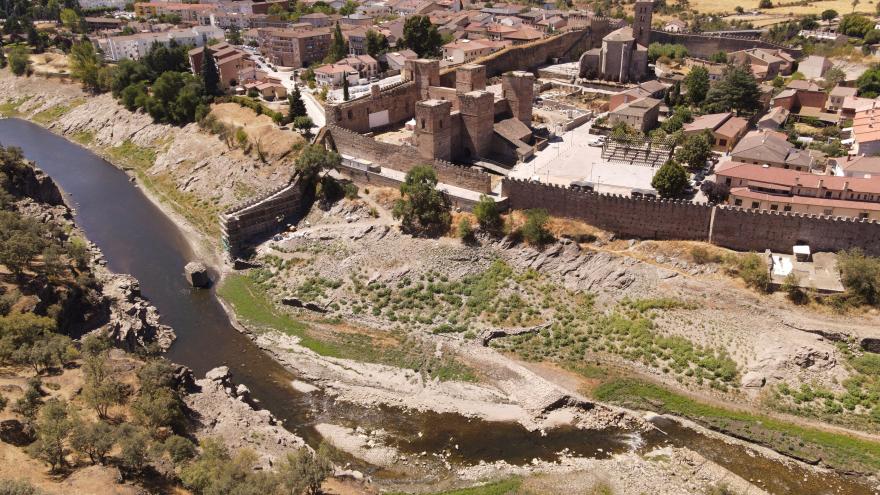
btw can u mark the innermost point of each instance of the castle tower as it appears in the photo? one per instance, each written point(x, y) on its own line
point(519, 90)
point(434, 129)
point(477, 110)
point(424, 72)
point(470, 77)
point(642, 22)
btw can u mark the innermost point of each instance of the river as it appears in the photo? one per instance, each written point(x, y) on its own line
point(137, 238)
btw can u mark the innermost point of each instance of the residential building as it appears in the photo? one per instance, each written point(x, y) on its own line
point(333, 75)
point(766, 64)
point(775, 189)
point(318, 19)
point(799, 94)
point(99, 23)
point(838, 95)
point(135, 46)
point(234, 66)
point(814, 66)
point(188, 12)
point(294, 47)
point(823, 36)
point(855, 166)
point(771, 149)
point(641, 114)
point(866, 131)
point(356, 20)
point(774, 119)
point(397, 60)
point(366, 66)
point(675, 26)
point(648, 89)
point(726, 130)
point(466, 51)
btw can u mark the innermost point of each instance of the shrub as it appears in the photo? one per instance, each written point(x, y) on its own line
point(701, 255)
point(487, 214)
point(860, 275)
point(534, 230)
point(754, 271)
point(422, 208)
point(792, 288)
point(465, 231)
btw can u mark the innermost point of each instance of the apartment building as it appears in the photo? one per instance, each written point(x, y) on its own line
point(234, 66)
point(135, 46)
point(188, 12)
point(466, 51)
point(294, 47)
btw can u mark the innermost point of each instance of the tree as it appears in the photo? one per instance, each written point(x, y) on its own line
point(697, 84)
point(3, 61)
point(487, 214)
point(670, 180)
point(94, 439)
point(695, 150)
point(534, 230)
point(377, 43)
point(301, 471)
point(313, 160)
point(85, 65)
point(345, 95)
point(869, 82)
point(860, 275)
point(829, 15)
point(338, 46)
point(297, 106)
point(422, 208)
point(70, 19)
point(855, 25)
point(719, 57)
point(234, 36)
point(303, 124)
point(134, 445)
point(19, 60)
point(765, 4)
point(835, 76)
point(101, 391)
point(210, 76)
point(52, 428)
point(421, 36)
point(350, 7)
point(737, 90)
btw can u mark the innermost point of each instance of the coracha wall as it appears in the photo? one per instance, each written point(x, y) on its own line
point(704, 46)
point(734, 228)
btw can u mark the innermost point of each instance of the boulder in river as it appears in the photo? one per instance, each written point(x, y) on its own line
point(197, 274)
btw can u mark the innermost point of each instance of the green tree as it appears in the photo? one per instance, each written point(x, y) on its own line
point(697, 85)
point(829, 15)
point(345, 95)
point(210, 76)
point(534, 230)
point(85, 65)
point(670, 180)
point(421, 36)
point(94, 439)
point(860, 275)
point(297, 106)
point(19, 487)
point(377, 43)
point(737, 90)
point(53, 426)
point(855, 25)
point(70, 19)
point(486, 211)
point(765, 4)
point(101, 390)
point(134, 447)
point(695, 150)
point(338, 46)
point(303, 125)
point(719, 57)
point(19, 60)
point(234, 36)
point(313, 160)
point(302, 471)
point(422, 208)
point(350, 7)
point(869, 82)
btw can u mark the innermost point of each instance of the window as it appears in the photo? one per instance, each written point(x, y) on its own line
point(827, 211)
point(441, 124)
point(738, 202)
point(827, 194)
point(727, 181)
point(423, 123)
point(774, 207)
point(349, 115)
point(722, 142)
point(786, 167)
point(755, 205)
point(863, 214)
point(786, 208)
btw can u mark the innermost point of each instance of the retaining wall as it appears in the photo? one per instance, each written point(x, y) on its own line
point(404, 158)
point(260, 216)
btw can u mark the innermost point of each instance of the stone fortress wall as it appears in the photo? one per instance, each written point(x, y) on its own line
point(705, 45)
point(734, 228)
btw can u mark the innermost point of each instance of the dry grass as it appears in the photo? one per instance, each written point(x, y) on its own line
point(722, 6)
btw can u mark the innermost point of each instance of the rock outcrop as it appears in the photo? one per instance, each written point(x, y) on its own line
point(197, 274)
point(133, 321)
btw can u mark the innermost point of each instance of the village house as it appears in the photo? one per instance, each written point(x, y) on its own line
point(466, 51)
point(838, 95)
point(765, 64)
point(814, 67)
point(774, 119)
point(726, 130)
point(334, 75)
point(318, 19)
point(855, 166)
point(641, 114)
point(866, 130)
point(396, 60)
point(771, 149)
point(774, 189)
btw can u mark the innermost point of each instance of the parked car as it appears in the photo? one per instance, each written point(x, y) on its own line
point(599, 141)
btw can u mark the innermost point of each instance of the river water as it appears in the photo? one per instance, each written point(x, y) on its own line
point(137, 238)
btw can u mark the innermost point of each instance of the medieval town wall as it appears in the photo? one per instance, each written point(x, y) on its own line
point(404, 158)
point(704, 46)
point(399, 101)
point(734, 228)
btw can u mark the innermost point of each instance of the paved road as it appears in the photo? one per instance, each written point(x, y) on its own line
point(313, 107)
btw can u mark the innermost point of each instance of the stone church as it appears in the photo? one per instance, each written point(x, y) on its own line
point(623, 56)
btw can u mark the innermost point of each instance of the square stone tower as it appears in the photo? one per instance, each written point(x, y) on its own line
point(434, 129)
point(424, 72)
point(470, 77)
point(642, 22)
point(477, 110)
point(519, 91)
